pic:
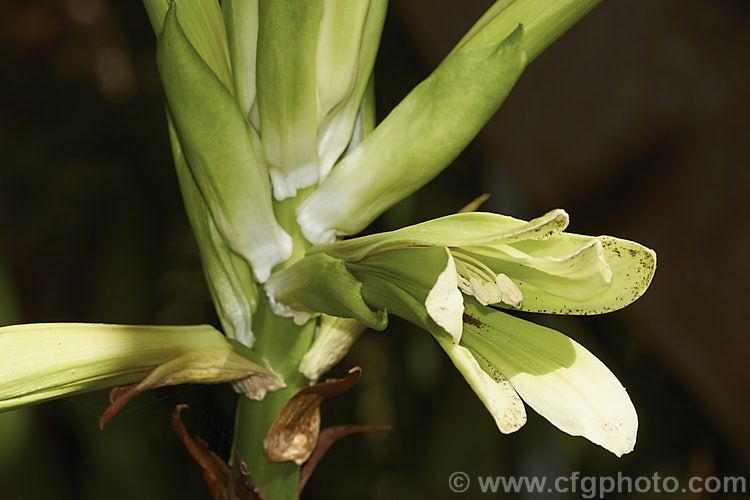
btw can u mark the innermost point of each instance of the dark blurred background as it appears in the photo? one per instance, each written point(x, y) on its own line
point(635, 122)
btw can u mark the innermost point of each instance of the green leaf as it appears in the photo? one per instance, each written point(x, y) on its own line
point(202, 22)
point(347, 46)
point(287, 92)
point(417, 284)
point(416, 141)
point(553, 374)
point(220, 150)
point(366, 118)
point(157, 12)
point(321, 284)
point(51, 360)
point(457, 230)
point(228, 276)
point(543, 22)
point(241, 20)
point(208, 365)
point(341, 29)
point(364, 122)
point(335, 338)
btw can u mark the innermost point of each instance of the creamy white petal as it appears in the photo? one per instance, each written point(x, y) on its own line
point(495, 392)
point(556, 376)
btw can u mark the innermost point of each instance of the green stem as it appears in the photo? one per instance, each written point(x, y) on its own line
point(282, 344)
point(278, 480)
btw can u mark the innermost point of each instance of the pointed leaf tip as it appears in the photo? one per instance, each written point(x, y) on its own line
point(221, 152)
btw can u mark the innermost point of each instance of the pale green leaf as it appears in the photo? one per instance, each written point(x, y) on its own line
point(241, 20)
point(416, 141)
point(219, 147)
point(50, 360)
point(366, 118)
point(212, 365)
point(341, 28)
point(543, 22)
point(348, 44)
point(335, 337)
point(287, 92)
point(457, 230)
point(207, 365)
point(202, 23)
point(417, 284)
point(229, 278)
point(321, 284)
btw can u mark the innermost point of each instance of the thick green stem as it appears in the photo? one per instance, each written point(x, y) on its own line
point(282, 344)
point(278, 481)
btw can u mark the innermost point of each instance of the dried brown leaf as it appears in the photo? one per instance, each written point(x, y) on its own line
point(294, 433)
point(216, 472)
point(210, 365)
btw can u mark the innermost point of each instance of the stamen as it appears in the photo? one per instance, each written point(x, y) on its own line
point(473, 265)
point(476, 279)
